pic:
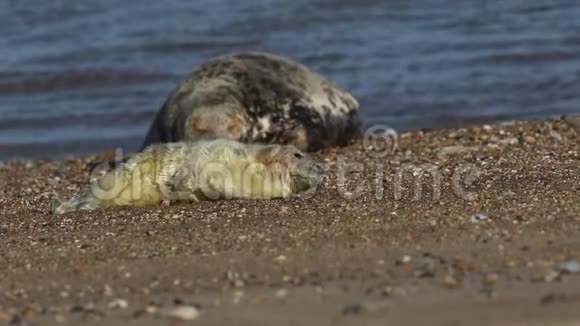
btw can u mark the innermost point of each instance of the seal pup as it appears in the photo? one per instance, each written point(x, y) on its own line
point(258, 98)
point(202, 170)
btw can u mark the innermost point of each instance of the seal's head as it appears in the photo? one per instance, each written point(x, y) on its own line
point(300, 170)
point(215, 123)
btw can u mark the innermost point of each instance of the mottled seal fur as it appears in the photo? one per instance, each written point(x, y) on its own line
point(201, 170)
point(258, 98)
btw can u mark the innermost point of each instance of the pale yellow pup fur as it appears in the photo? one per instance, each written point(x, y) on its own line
point(202, 170)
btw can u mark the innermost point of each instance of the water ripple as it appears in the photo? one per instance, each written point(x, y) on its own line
point(19, 82)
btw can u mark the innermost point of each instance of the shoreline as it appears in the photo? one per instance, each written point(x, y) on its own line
point(68, 150)
point(491, 251)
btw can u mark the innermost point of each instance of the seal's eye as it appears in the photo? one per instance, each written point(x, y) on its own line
point(277, 117)
point(298, 155)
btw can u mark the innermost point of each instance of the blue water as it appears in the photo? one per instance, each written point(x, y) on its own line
point(86, 76)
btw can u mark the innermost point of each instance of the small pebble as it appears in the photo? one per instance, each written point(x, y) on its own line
point(458, 149)
point(530, 139)
point(89, 307)
point(478, 217)
point(425, 268)
point(108, 290)
point(118, 304)
point(238, 295)
point(551, 276)
point(151, 309)
point(556, 135)
point(281, 293)
point(507, 194)
point(280, 259)
point(239, 284)
point(490, 279)
point(569, 267)
point(368, 307)
point(182, 313)
point(510, 141)
point(450, 282)
point(389, 291)
point(374, 306)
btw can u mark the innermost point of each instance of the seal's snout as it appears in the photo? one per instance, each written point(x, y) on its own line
point(307, 175)
point(310, 169)
point(317, 169)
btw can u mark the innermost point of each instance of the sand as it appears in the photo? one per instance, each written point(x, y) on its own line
point(494, 240)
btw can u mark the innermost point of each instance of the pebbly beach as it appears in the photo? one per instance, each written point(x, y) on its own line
point(467, 226)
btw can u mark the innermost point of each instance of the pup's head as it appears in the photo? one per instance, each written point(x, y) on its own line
point(302, 172)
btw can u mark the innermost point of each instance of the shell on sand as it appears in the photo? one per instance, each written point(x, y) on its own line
point(258, 98)
point(201, 170)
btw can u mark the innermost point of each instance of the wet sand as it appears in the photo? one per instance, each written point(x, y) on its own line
point(496, 243)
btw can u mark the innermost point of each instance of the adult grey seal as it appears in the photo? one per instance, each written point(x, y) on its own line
point(258, 98)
